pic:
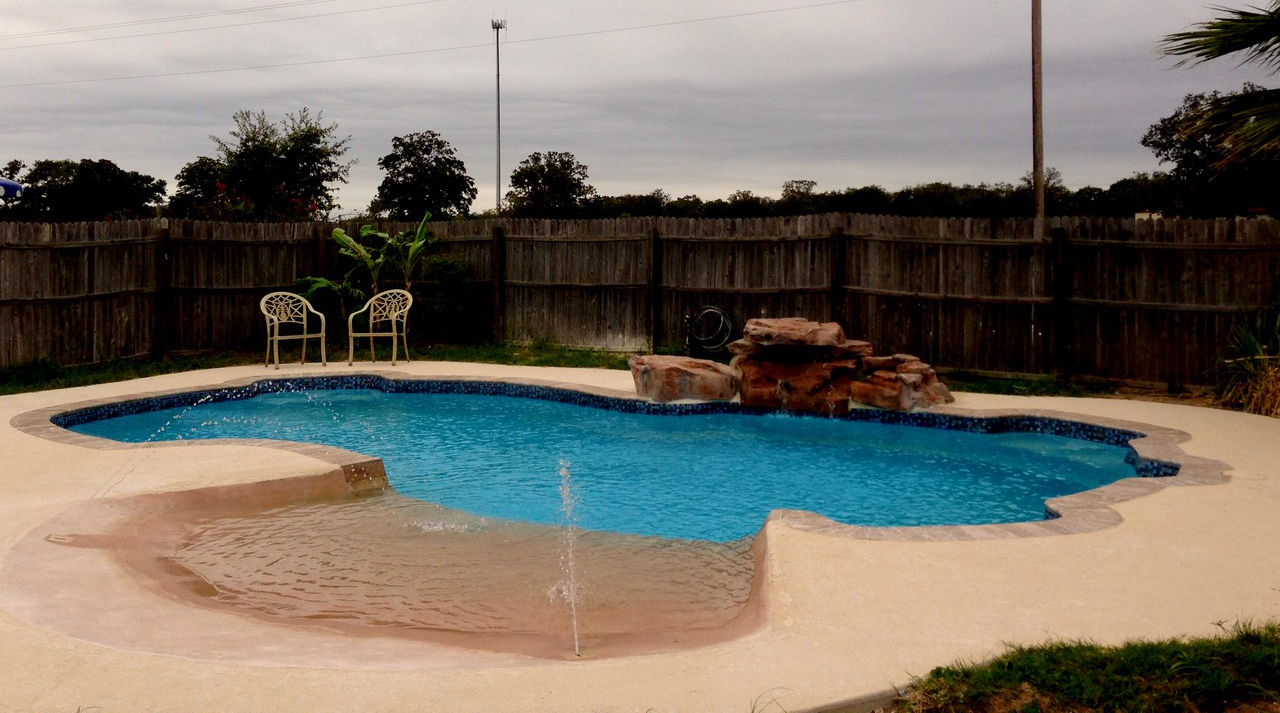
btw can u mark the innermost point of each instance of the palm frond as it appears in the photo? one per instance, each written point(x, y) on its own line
point(1254, 32)
point(1248, 124)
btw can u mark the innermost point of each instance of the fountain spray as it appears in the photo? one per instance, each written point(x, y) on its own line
point(569, 587)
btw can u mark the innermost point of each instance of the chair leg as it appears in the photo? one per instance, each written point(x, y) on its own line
point(372, 356)
point(351, 350)
point(323, 361)
point(276, 351)
point(303, 359)
point(393, 347)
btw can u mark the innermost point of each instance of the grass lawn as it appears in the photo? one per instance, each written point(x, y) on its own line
point(1240, 671)
point(47, 374)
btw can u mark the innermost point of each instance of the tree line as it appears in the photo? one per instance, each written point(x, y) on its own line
point(1223, 150)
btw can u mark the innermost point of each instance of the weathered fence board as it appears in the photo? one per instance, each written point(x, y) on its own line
point(579, 283)
point(1142, 300)
point(75, 292)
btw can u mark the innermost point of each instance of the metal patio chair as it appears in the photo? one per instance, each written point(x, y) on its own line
point(281, 308)
point(389, 306)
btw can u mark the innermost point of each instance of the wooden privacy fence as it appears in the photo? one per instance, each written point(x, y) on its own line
point(90, 292)
point(1150, 301)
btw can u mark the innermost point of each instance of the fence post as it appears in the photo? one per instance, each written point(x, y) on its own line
point(655, 289)
point(1062, 319)
point(839, 256)
point(163, 295)
point(498, 276)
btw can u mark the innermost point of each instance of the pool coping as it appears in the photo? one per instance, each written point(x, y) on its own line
point(852, 619)
point(1086, 511)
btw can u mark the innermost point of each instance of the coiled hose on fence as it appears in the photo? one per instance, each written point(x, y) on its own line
point(707, 330)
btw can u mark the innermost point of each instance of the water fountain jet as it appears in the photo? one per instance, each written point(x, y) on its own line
point(569, 589)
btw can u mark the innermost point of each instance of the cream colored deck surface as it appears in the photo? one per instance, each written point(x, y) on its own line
point(849, 617)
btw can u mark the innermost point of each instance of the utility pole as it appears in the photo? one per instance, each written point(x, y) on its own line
point(498, 25)
point(1037, 117)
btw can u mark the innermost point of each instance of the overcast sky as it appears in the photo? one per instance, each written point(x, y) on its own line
point(690, 96)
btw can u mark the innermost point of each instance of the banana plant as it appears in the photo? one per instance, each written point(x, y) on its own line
point(345, 292)
point(372, 259)
point(407, 249)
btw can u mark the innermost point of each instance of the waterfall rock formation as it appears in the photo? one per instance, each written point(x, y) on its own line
point(793, 363)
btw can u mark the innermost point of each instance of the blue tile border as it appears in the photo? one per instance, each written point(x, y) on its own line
point(1154, 451)
point(1143, 467)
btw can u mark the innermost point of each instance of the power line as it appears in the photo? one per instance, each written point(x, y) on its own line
point(220, 27)
point(548, 38)
point(156, 20)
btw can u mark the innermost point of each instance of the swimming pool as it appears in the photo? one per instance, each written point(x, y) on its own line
point(712, 474)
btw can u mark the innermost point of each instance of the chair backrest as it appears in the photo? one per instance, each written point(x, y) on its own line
point(390, 305)
point(285, 307)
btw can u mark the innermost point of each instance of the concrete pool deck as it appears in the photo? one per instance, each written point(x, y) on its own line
point(849, 617)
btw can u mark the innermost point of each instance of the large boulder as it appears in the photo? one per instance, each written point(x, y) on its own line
point(820, 388)
point(793, 331)
point(880, 396)
point(848, 349)
point(670, 378)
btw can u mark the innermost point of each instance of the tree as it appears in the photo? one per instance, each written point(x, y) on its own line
point(797, 198)
point(550, 185)
point(689, 206)
point(745, 204)
point(1182, 140)
point(202, 194)
point(266, 171)
point(84, 190)
point(1247, 123)
point(627, 205)
point(1142, 192)
point(868, 199)
point(424, 175)
point(1057, 197)
point(1208, 178)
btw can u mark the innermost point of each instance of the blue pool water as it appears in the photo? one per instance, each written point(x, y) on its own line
point(709, 476)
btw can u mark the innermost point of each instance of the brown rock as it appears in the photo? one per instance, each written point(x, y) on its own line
point(911, 381)
point(914, 367)
point(801, 353)
point(668, 378)
point(744, 346)
point(904, 358)
point(877, 363)
point(936, 393)
point(793, 330)
point(888, 379)
point(820, 388)
point(909, 399)
point(873, 395)
point(858, 347)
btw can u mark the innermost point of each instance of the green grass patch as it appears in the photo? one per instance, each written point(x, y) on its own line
point(960, 380)
point(536, 354)
point(1240, 668)
point(48, 374)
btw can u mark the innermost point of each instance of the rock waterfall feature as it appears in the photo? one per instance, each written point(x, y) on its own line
point(793, 363)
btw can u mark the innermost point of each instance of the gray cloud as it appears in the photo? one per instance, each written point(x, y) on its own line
point(871, 91)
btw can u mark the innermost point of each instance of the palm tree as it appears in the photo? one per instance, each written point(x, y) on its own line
point(1249, 122)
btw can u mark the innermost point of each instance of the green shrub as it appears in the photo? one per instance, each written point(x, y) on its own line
point(1250, 373)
